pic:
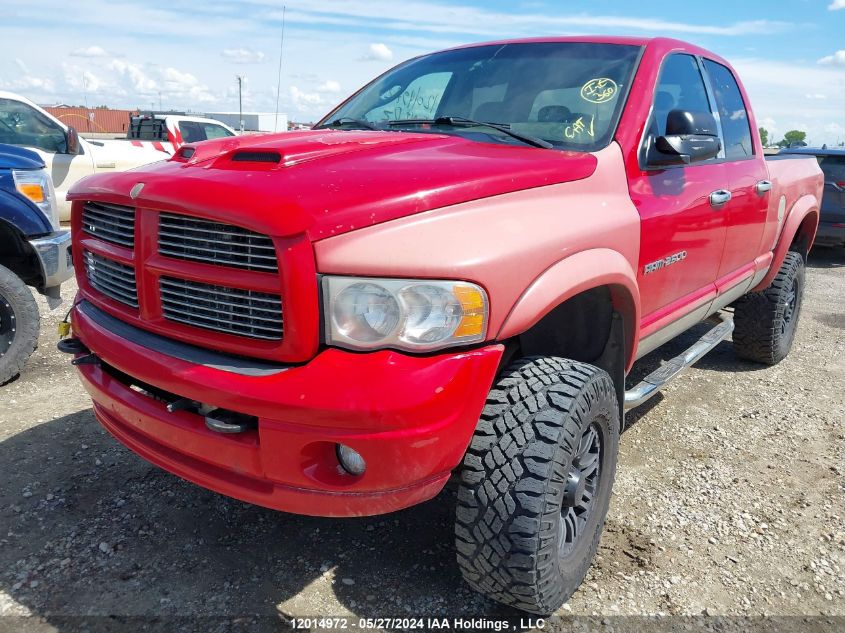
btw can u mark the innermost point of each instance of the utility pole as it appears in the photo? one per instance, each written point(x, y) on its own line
point(159, 100)
point(240, 103)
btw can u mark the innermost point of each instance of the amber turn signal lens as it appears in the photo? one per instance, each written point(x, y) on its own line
point(473, 304)
point(33, 191)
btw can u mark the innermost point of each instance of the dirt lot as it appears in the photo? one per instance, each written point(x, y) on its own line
point(729, 499)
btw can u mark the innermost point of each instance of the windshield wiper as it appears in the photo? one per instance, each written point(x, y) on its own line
point(459, 121)
point(345, 120)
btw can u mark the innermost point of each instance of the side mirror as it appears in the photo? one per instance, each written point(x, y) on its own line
point(690, 137)
point(72, 141)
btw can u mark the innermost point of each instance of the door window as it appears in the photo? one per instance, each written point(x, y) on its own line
point(22, 125)
point(833, 168)
point(680, 87)
point(194, 131)
point(732, 112)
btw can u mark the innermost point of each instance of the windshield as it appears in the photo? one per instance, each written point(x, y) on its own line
point(567, 93)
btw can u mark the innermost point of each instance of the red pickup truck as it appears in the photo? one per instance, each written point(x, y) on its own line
point(452, 274)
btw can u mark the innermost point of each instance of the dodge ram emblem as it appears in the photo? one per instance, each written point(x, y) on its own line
point(136, 190)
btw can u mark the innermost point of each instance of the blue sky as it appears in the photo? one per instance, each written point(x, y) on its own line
point(128, 53)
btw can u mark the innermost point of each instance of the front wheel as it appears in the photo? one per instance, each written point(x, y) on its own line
point(765, 322)
point(536, 482)
point(19, 321)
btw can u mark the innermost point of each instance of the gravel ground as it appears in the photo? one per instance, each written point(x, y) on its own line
point(729, 500)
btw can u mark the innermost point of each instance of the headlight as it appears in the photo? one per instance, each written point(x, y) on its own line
point(414, 315)
point(37, 186)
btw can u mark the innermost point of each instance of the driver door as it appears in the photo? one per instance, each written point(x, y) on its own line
point(682, 230)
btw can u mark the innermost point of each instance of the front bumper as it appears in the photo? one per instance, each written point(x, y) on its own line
point(410, 417)
point(55, 256)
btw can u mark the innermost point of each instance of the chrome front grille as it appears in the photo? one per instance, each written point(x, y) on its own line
point(109, 222)
point(198, 240)
point(222, 309)
point(113, 279)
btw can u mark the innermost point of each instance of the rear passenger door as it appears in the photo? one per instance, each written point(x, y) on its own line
point(746, 212)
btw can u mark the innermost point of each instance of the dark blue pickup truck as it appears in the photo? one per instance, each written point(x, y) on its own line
point(34, 251)
point(831, 230)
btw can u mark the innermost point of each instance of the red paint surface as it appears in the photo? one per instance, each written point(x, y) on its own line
point(531, 226)
point(411, 419)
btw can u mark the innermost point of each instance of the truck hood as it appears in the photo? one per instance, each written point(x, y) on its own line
point(330, 182)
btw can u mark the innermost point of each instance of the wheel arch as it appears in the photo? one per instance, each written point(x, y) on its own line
point(599, 281)
point(798, 233)
point(17, 255)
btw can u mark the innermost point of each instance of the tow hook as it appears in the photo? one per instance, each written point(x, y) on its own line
point(88, 359)
point(225, 421)
point(72, 346)
point(216, 419)
point(75, 346)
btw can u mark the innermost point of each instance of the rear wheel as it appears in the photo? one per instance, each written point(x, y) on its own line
point(19, 322)
point(536, 481)
point(765, 322)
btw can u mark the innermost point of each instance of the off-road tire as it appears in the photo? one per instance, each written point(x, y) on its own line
point(19, 323)
point(509, 524)
point(765, 322)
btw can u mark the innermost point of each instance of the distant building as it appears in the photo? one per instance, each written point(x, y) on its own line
point(102, 120)
point(253, 121)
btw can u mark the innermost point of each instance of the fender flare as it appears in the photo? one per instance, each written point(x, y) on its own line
point(573, 275)
point(806, 206)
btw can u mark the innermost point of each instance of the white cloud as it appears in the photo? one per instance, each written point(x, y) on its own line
point(837, 59)
point(242, 55)
point(135, 77)
point(82, 80)
point(425, 15)
point(779, 107)
point(379, 52)
point(185, 85)
point(25, 84)
point(90, 51)
point(836, 5)
point(330, 86)
point(304, 101)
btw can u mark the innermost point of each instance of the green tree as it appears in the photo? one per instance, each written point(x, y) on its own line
point(794, 136)
point(764, 136)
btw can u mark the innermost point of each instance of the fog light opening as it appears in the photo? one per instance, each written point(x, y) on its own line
point(350, 460)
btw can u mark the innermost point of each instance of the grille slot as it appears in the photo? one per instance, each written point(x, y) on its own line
point(222, 309)
point(113, 279)
point(109, 222)
point(193, 239)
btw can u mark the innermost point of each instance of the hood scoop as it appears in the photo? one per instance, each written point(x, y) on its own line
point(256, 156)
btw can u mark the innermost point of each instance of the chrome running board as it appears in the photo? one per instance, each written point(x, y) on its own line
point(657, 379)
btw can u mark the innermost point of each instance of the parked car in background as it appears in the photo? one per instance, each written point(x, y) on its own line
point(67, 156)
point(832, 221)
point(34, 252)
point(454, 272)
point(170, 131)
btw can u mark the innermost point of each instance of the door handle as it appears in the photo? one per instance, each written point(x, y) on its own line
point(719, 198)
point(763, 186)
